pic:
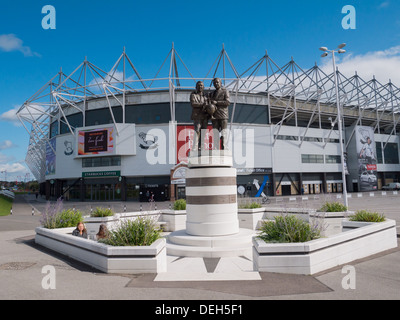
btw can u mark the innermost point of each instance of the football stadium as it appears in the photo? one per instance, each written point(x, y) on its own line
point(97, 135)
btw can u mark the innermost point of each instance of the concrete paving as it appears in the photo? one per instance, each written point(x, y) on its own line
point(22, 262)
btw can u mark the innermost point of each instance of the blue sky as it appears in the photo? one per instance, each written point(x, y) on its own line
point(100, 29)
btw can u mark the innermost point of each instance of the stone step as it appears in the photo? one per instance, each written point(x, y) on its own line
point(179, 243)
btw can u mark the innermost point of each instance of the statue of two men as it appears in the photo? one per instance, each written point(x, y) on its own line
point(214, 106)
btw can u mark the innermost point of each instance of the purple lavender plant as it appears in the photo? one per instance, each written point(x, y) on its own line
point(49, 216)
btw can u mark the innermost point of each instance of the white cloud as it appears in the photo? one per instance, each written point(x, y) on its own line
point(7, 144)
point(384, 65)
point(10, 42)
point(384, 4)
point(4, 159)
point(11, 116)
point(12, 169)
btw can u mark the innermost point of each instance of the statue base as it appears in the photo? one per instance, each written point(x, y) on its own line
point(212, 224)
point(210, 158)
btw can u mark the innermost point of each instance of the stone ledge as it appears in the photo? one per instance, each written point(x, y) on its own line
point(109, 259)
point(325, 253)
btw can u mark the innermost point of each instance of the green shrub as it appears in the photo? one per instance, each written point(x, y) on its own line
point(139, 232)
point(333, 207)
point(102, 212)
point(180, 204)
point(253, 205)
point(367, 216)
point(288, 229)
point(54, 216)
point(68, 218)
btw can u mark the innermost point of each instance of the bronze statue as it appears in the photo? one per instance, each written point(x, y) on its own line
point(218, 110)
point(198, 101)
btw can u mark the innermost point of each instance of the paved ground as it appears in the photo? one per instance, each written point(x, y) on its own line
point(21, 263)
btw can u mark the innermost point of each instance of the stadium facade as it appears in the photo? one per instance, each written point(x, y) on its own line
point(97, 135)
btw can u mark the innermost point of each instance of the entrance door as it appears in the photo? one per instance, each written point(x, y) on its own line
point(286, 190)
point(104, 192)
point(181, 193)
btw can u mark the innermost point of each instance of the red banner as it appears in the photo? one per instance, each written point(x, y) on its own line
point(184, 141)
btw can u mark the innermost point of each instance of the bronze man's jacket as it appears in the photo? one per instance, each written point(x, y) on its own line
point(222, 98)
point(198, 100)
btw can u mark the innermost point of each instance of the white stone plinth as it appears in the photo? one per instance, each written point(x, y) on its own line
point(211, 201)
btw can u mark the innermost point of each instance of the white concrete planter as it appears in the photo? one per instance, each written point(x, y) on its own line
point(109, 259)
point(250, 218)
point(175, 220)
point(92, 224)
point(325, 253)
point(331, 221)
point(350, 225)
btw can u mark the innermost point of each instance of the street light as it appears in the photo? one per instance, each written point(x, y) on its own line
point(326, 52)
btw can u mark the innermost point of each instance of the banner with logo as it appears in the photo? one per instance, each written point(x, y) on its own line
point(367, 160)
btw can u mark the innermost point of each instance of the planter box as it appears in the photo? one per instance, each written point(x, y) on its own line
point(325, 253)
point(108, 259)
point(175, 220)
point(331, 221)
point(92, 224)
point(250, 218)
point(350, 225)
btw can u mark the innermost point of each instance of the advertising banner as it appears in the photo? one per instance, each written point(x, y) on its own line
point(51, 157)
point(367, 161)
point(185, 138)
point(96, 141)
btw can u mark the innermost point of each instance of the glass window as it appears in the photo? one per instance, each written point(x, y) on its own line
point(332, 140)
point(101, 162)
point(333, 159)
point(148, 113)
point(106, 161)
point(96, 162)
point(248, 113)
point(391, 153)
point(312, 139)
point(115, 161)
point(74, 120)
point(87, 162)
point(103, 116)
point(312, 158)
point(244, 113)
point(379, 152)
point(282, 137)
point(53, 129)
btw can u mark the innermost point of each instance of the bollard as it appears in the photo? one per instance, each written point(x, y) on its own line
point(170, 207)
point(124, 207)
point(91, 210)
point(155, 207)
point(141, 208)
point(11, 211)
point(33, 211)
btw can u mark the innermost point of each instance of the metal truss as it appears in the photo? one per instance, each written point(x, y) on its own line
point(295, 96)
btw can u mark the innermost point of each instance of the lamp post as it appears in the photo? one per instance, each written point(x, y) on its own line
point(326, 52)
